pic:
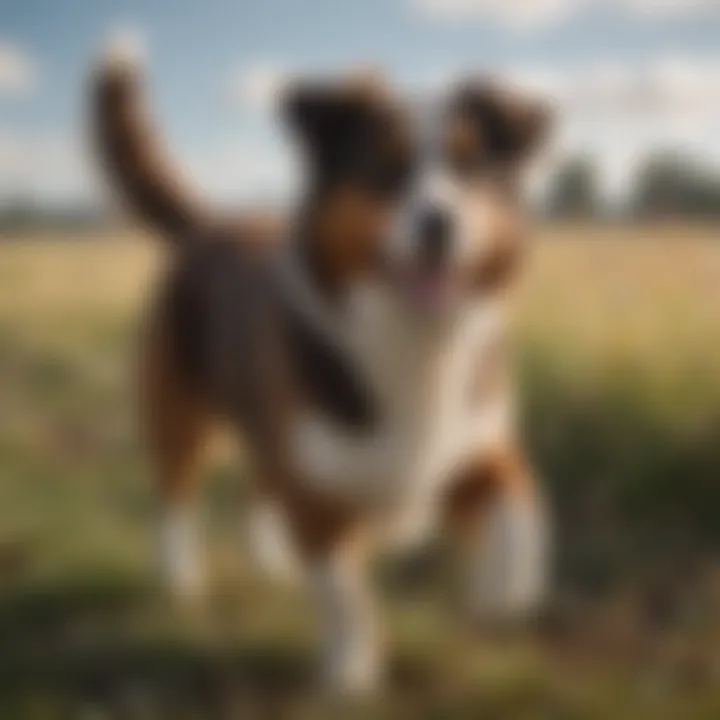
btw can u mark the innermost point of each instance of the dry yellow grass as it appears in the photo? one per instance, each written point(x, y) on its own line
point(635, 283)
point(647, 290)
point(45, 276)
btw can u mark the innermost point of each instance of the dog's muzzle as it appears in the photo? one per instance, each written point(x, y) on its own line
point(434, 237)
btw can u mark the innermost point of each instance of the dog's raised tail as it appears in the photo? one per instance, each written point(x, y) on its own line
point(130, 151)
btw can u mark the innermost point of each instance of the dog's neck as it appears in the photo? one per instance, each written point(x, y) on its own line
point(314, 254)
point(316, 268)
point(315, 301)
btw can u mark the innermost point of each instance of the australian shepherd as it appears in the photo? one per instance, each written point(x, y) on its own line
point(359, 347)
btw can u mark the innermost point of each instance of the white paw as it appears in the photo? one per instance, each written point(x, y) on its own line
point(180, 564)
point(187, 586)
point(351, 672)
point(348, 628)
point(317, 449)
point(509, 564)
point(270, 545)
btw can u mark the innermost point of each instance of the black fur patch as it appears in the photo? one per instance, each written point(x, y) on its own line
point(351, 137)
point(326, 376)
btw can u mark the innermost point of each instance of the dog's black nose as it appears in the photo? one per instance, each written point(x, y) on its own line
point(434, 229)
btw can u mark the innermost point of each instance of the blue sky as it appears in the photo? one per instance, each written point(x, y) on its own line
point(212, 67)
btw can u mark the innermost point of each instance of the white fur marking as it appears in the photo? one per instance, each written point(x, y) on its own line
point(270, 545)
point(124, 50)
point(338, 461)
point(421, 382)
point(509, 558)
point(179, 552)
point(348, 626)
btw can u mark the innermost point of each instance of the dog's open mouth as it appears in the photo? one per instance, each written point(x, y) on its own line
point(429, 288)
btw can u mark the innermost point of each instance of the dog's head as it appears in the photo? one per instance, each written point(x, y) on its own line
point(429, 199)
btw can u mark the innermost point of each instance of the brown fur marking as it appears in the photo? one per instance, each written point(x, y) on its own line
point(177, 425)
point(480, 482)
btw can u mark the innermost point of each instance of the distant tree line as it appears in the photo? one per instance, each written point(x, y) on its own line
point(22, 215)
point(669, 184)
point(666, 184)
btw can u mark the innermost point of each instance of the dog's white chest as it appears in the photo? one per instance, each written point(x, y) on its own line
point(419, 378)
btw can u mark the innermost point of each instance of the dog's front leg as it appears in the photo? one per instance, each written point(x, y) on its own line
point(501, 522)
point(347, 620)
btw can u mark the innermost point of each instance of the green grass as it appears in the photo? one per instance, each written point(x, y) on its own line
point(619, 348)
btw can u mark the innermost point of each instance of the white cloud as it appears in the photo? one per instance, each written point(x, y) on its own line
point(649, 90)
point(513, 14)
point(17, 70)
point(45, 165)
point(620, 113)
point(667, 8)
point(242, 169)
point(617, 112)
point(533, 15)
point(257, 85)
point(56, 167)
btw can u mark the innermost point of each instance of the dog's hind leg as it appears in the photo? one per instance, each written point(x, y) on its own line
point(177, 428)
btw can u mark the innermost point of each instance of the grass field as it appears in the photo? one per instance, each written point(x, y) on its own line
point(619, 337)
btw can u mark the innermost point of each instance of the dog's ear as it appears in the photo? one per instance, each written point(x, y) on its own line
point(314, 108)
point(328, 117)
point(510, 127)
point(317, 111)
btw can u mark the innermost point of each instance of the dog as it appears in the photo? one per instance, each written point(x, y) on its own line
point(359, 347)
